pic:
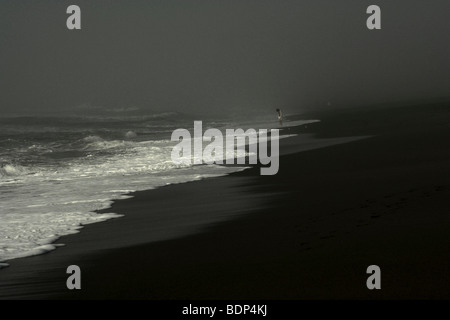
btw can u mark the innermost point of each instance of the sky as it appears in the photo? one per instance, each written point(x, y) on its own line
point(219, 57)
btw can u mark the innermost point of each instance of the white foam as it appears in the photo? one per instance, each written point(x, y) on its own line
point(10, 170)
point(39, 206)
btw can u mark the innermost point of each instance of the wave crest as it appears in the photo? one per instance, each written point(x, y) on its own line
point(92, 139)
point(10, 170)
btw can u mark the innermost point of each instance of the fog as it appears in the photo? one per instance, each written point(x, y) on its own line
point(219, 57)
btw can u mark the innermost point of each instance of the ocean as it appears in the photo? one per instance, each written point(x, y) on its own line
point(56, 171)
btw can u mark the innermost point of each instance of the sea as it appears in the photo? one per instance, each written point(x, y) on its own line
point(55, 172)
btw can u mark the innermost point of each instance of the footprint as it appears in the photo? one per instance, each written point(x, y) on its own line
point(362, 224)
point(327, 237)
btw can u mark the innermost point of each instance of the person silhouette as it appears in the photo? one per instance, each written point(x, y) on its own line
point(280, 116)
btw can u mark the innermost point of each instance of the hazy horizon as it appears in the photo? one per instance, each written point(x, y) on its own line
point(219, 57)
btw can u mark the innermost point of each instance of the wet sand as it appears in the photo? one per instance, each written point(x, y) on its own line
point(309, 232)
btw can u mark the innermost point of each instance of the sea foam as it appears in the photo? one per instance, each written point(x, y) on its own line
point(79, 171)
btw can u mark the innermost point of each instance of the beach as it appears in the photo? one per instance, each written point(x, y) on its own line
point(308, 232)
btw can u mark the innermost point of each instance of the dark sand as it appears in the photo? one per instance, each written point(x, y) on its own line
point(308, 232)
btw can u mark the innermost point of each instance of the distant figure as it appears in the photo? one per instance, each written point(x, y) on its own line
point(280, 116)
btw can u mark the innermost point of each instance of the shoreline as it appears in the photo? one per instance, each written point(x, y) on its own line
point(278, 247)
point(308, 142)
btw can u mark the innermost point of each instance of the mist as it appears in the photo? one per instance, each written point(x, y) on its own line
point(219, 57)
